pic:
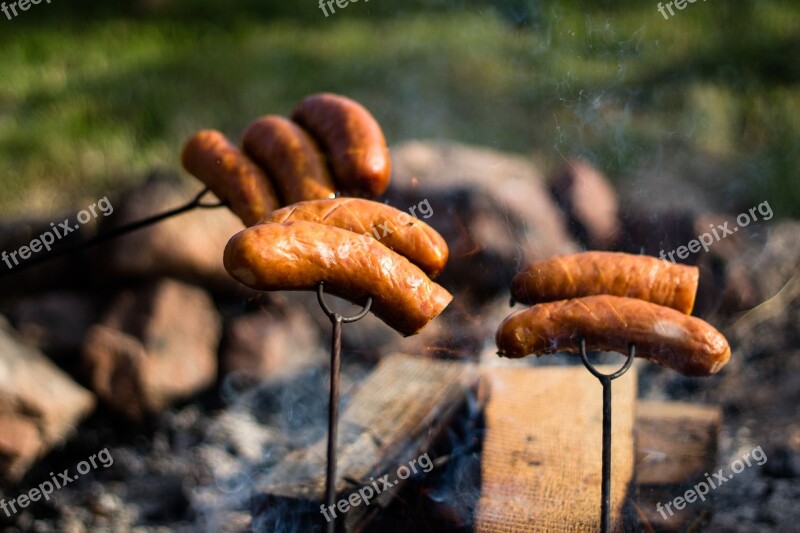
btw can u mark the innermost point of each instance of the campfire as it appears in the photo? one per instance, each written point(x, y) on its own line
point(317, 347)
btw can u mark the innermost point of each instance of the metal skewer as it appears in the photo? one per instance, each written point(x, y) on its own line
point(605, 380)
point(118, 232)
point(333, 401)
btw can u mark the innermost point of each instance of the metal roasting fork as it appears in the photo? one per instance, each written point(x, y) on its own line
point(605, 380)
point(196, 203)
point(333, 401)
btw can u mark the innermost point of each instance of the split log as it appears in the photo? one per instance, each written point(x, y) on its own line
point(676, 444)
point(541, 464)
point(390, 420)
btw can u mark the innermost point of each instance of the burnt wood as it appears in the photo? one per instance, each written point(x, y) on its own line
point(389, 420)
point(676, 444)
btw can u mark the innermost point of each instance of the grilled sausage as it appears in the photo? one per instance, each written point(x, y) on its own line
point(352, 140)
point(298, 255)
point(230, 174)
point(618, 274)
point(609, 323)
point(290, 157)
point(398, 230)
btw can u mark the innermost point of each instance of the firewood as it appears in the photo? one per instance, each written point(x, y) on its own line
point(389, 420)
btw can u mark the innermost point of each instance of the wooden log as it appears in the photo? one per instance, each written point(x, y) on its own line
point(389, 420)
point(676, 444)
point(541, 464)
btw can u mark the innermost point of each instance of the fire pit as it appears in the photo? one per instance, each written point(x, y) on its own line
point(157, 373)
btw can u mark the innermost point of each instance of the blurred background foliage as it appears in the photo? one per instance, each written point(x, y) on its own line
point(95, 94)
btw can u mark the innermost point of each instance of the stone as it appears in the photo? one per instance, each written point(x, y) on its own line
point(270, 344)
point(188, 247)
point(492, 208)
point(591, 204)
point(56, 322)
point(157, 345)
point(40, 405)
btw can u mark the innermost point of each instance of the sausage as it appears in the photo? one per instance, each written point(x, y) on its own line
point(290, 157)
point(618, 274)
point(352, 140)
point(298, 255)
point(609, 323)
point(398, 230)
point(230, 174)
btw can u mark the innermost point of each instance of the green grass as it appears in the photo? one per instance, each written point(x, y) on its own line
point(92, 100)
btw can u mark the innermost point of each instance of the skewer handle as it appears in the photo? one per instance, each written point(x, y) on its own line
point(605, 381)
point(118, 232)
point(333, 400)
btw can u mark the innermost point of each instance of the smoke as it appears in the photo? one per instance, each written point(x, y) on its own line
point(260, 426)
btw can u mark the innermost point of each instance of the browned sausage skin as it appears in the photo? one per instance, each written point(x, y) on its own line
point(290, 157)
point(406, 235)
point(230, 174)
point(351, 138)
point(618, 274)
point(610, 323)
point(298, 255)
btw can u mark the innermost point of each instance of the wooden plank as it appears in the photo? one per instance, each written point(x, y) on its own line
point(673, 442)
point(391, 418)
point(676, 444)
point(541, 464)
